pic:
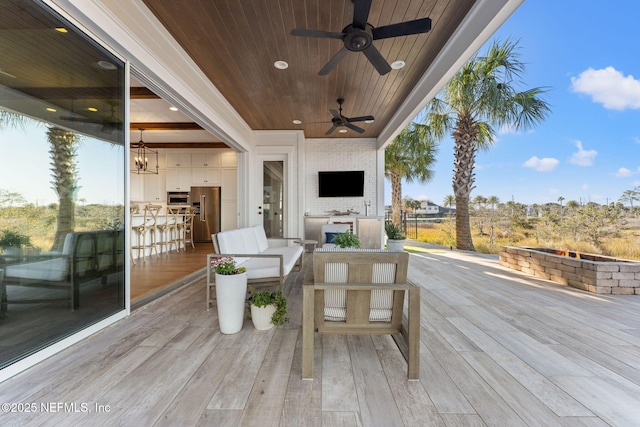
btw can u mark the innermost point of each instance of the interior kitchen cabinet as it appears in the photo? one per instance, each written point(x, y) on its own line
point(178, 160)
point(204, 160)
point(136, 187)
point(205, 176)
point(155, 187)
point(178, 179)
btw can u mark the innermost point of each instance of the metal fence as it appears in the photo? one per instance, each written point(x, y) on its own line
point(412, 223)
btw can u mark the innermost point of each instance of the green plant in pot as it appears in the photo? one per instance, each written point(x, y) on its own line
point(268, 308)
point(395, 237)
point(346, 240)
point(13, 240)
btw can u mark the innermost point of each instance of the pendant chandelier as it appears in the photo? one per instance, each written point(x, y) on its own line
point(141, 155)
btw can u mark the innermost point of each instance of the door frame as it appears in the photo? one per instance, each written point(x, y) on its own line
point(286, 155)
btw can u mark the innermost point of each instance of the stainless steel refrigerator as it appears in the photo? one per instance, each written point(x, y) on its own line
point(206, 200)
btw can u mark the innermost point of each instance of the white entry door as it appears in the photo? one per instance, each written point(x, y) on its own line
point(272, 203)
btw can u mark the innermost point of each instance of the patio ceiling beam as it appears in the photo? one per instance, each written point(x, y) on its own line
point(165, 126)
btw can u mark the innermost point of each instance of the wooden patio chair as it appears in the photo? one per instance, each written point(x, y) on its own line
point(361, 292)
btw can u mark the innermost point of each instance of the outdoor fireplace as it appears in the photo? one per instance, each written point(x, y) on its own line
point(594, 273)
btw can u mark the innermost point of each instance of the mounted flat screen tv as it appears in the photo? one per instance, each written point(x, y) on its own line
point(341, 184)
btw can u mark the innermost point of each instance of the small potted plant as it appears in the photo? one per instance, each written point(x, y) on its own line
point(395, 237)
point(231, 293)
point(12, 242)
point(268, 308)
point(346, 240)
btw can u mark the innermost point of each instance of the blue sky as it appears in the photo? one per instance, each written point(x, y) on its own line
point(588, 149)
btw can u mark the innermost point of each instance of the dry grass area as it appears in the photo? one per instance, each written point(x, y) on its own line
point(626, 243)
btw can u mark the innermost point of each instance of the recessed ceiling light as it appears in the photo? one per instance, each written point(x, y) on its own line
point(51, 110)
point(93, 109)
point(397, 65)
point(106, 65)
point(61, 30)
point(173, 108)
point(281, 65)
point(342, 131)
point(297, 122)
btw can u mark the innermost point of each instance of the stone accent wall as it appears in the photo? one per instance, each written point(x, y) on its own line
point(593, 273)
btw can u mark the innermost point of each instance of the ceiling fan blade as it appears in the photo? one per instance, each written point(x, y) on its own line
point(316, 33)
point(330, 131)
point(418, 26)
point(333, 62)
point(335, 114)
point(361, 10)
point(354, 127)
point(360, 119)
point(378, 61)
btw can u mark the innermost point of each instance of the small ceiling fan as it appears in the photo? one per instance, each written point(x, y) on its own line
point(339, 120)
point(359, 36)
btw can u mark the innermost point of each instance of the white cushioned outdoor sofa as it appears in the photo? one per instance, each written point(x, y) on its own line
point(267, 261)
point(85, 256)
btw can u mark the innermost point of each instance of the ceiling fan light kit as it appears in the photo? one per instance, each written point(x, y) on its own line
point(359, 36)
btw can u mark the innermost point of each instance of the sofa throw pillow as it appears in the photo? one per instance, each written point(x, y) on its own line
point(331, 235)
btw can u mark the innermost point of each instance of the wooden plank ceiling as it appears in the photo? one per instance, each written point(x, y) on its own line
point(236, 43)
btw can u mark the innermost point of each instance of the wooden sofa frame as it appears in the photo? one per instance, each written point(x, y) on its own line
point(262, 281)
point(405, 330)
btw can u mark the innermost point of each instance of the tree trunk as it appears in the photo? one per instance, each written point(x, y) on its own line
point(464, 136)
point(63, 167)
point(396, 198)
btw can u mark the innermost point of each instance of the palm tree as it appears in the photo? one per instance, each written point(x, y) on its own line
point(560, 200)
point(481, 95)
point(408, 157)
point(64, 146)
point(63, 150)
point(449, 202)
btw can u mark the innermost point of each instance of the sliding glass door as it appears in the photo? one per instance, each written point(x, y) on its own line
point(62, 180)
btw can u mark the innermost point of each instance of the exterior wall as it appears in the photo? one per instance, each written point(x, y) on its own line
point(599, 275)
point(340, 155)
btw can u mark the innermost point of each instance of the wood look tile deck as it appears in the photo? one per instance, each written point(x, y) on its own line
point(498, 348)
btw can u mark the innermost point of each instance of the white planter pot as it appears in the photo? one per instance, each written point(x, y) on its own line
point(231, 294)
point(261, 316)
point(12, 251)
point(395, 245)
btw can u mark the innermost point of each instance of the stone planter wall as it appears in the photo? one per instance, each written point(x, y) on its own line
point(594, 273)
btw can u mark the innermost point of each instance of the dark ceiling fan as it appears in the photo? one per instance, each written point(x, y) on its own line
point(339, 120)
point(359, 35)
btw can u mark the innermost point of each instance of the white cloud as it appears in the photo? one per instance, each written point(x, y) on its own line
point(583, 157)
point(609, 87)
point(585, 186)
point(546, 164)
point(624, 172)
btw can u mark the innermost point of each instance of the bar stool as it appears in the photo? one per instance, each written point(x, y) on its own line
point(146, 232)
point(186, 235)
point(133, 209)
point(169, 232)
